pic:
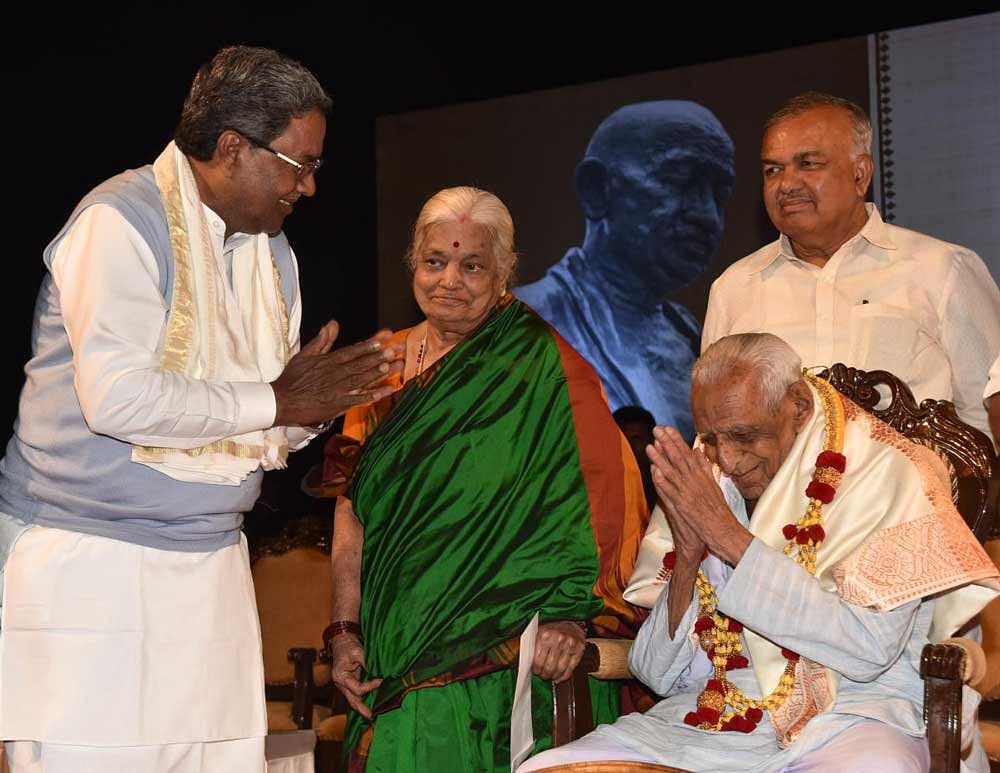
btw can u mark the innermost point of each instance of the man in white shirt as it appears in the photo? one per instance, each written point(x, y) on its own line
point(840, 285)
point(165, 377)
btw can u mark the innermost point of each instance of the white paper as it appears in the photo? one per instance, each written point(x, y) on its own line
point(522, 736)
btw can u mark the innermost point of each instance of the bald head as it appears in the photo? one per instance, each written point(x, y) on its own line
point(637, 130)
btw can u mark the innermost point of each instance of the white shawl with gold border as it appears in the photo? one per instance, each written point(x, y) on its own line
point(214, 335)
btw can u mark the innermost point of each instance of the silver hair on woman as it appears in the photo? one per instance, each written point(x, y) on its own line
point(776, 364)
point(452, 205)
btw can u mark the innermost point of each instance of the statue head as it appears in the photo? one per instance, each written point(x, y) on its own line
point(652, 186)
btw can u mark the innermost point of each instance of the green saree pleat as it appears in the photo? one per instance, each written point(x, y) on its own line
point(475, 517)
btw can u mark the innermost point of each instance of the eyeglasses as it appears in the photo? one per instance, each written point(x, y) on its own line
point(302, 170)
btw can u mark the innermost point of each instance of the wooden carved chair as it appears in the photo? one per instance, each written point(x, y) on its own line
point(293, 586)
point(975, 474)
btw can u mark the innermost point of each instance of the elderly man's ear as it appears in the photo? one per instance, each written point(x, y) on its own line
point(593, 188)
point(802, 403)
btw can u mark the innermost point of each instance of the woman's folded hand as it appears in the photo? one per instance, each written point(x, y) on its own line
point(558, 650)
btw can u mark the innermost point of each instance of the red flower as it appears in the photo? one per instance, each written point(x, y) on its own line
point(714, 685)
point(669, 561)
point(803, 537)
point(789, 655)
point(736, 661)
point(822, 491)
point(706, 714)
point(790, 530)
point(754, 715)
point(740, 724)
point(832, 459)
point(692, 719)
point(703, 624)
point(704, 555)
point(735, 626)
point(816, 533)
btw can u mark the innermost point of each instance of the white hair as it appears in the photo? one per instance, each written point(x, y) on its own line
point(773, 362)
point(451, 205)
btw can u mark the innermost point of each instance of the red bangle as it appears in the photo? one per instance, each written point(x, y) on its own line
point(338, 627)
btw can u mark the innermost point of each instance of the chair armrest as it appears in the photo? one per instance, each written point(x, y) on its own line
point(607, 658)
point(974, 665)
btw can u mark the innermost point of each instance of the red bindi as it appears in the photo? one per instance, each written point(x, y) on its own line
point(455, 245)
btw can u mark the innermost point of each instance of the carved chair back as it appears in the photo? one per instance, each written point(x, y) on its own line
point(968, 452)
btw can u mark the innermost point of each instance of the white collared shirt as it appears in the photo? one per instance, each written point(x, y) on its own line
point(115, 317)
point(889, 299)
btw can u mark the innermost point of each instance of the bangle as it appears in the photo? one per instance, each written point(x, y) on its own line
point(338, 627)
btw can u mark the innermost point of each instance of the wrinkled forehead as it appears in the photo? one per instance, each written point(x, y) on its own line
point(463, 236)
point(824, 127)
point(731, 402)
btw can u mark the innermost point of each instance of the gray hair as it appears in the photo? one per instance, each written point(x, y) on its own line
point(774, 363)
point(860, 122)
point(451, 205)
point(254, 91)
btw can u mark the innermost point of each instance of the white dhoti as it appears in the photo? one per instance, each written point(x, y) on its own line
point(868, 747)
point(109, 644)
point(245, 755)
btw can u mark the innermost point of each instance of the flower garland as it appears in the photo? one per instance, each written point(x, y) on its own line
point(721, 704)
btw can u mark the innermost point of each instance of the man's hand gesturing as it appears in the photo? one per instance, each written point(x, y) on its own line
point(321, 383)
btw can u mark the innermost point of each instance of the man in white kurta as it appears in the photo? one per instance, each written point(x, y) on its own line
point(845, 615)
point(165, 377)
point(841, 285)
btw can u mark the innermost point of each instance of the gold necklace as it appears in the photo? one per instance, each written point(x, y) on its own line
point(420, 354)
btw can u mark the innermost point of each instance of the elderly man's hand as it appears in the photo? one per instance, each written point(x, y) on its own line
point(318, 384)
point(558, 649)
point(694, 505)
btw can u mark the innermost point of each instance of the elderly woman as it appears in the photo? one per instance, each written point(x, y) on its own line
point(494, 485)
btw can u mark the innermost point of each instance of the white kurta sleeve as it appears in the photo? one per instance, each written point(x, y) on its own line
point(114, 314)
point(655, 659)
point(778, 599)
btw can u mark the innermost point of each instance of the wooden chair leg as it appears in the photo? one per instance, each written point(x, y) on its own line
point(572, 715)
point(302, 697)
point(941, 669)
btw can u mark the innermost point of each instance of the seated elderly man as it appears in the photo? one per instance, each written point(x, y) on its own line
point(797, 602)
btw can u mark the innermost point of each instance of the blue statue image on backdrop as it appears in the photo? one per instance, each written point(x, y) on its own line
point(652, 185)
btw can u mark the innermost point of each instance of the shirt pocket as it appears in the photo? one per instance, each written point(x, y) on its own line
point(887, 337)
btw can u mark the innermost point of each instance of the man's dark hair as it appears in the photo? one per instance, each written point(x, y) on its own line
point(629, 413)
point(254, 91)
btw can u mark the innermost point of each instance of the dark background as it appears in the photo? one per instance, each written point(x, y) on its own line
point(96, 88)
